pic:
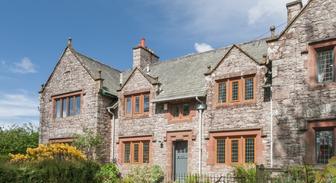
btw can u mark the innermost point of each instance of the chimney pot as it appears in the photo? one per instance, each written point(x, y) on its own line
point(69, 42)
point(143, 43)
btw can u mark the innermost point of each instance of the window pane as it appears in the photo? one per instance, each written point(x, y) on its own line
point(175, 111)
point(64, 106)
point(136, 153)
point(128, 105)
point(146, 103)
point(145, 152)
point(235, 89)
point(78, 104)
point(222, 92)
point(234, 151)
point(58, 108)
point(137, 104)
point(249, 150)
point(324, 145)
point(71, 105)
point(249, 89)
point(127, 152)
point(186, 109)
point(220, 150)
point(325, 65)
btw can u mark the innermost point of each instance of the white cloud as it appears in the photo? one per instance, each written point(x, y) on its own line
point(202, 47)
point(18, 108)
point(24, 66)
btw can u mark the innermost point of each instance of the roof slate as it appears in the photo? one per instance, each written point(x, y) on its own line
point(183, 77)
point(110, 75)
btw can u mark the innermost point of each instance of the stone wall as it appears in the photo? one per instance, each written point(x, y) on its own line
point(295, 102)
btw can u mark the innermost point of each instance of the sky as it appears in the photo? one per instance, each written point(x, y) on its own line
point(33, 34)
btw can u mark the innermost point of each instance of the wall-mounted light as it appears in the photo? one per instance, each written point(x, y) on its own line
point(161, 143)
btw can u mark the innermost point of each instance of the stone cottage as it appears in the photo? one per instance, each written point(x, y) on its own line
point(270, 101)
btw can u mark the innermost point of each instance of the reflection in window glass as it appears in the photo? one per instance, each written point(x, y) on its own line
point(325, 60)
point(137, 104)
point(78, 104)
point(145, 152)
point(146, 103)
point(222, 92)
point(249, 150)
point(324, 145)
point(249, 89)
point(71, 106)
point(235, 90)
point(234, 151)
point(129, 105)
point(58, 108)
point(186, 109)
point(175, 111)
point(221, 150)
point(136, 153)
point(127, 152)
point(64, 106)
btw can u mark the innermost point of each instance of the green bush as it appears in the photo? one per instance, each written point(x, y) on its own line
point(145, 174)
point(108, 173)
point(196, 179)
point(328, 174)
point(297, 174)
point(247, 172)
point(49, 171)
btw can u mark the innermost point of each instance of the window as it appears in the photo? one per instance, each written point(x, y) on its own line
point(136, 152)
point(325, 145)
point(230, 149)
point(249, 89)
point(235, 90)
point(68, 105)
point(180, 111)
point(222, 92)
point(325, 65)
point(221, 150)
point(137, 104)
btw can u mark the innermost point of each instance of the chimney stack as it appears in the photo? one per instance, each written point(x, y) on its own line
point(143, 56)
point(293, 9)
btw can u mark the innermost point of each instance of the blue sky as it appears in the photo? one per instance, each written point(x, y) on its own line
point(33, 34)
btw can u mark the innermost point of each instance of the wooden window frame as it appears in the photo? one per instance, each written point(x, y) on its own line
point(312, 65)
point(141, 112)
point(67, 97)
point(241, 91)
point(241, 136)
point(181, 117)
point(132, 141)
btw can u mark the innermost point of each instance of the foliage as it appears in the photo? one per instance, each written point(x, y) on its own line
point(196, 179)
point(297, 174)
point(145, 174)
point(17, 139)
point(88, 142)
point(49, 151)
point(108, 173)
point(247, 171)
point(328, 174)
point(49, 171)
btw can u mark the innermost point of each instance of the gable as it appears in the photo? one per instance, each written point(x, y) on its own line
point(315, 21)
point(136, 82)
point(68, 74)
point(235, 60)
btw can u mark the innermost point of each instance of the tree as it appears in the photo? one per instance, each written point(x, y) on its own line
point(88, 142)
point(17, 139)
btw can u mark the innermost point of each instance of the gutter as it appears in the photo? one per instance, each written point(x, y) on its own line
point(177, 98)
point(110, 110)
point(200, 107)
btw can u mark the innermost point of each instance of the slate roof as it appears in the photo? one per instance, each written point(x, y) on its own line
point(109, 74)
point(183, 77)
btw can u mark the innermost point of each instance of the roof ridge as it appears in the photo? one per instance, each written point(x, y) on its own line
point(206, 52)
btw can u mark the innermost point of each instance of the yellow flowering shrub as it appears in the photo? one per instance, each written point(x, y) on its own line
point(49, 151)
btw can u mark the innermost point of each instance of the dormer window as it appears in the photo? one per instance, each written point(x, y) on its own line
point(137, 104)
point(235, 90)
point(180, 112)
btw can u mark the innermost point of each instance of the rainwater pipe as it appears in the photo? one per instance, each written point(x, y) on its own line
point(110, 110)
point(200, 107)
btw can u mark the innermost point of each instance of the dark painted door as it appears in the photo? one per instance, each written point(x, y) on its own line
point(180, 160)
